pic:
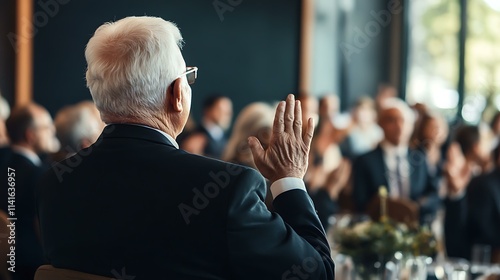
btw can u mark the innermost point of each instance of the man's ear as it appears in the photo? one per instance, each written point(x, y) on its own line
point(176, 95)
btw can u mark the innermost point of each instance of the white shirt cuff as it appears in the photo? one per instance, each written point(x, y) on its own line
point(287, 184)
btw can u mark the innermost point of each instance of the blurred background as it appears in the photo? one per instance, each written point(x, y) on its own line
point(437, 52)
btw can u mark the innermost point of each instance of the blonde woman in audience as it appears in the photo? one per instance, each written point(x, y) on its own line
point(256, 120)
point(328, 172)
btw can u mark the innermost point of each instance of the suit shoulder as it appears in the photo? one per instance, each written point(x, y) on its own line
point(197, 161)
point(368, 156)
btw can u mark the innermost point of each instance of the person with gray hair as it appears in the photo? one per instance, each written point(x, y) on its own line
point(402, 170)
point(77, 127)
point(4, 114)
point(134, 202)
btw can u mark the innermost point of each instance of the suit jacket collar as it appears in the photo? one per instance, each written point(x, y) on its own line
point(134, 132)
point(381, 168)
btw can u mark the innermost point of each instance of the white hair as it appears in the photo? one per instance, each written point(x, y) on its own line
point(396, 103)
point(131, 63)
point(76, 123)
point(4, 108)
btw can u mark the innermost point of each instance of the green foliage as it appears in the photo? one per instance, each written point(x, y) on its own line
point(379, 241)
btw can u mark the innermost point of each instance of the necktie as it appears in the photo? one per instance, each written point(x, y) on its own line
point(399, 179)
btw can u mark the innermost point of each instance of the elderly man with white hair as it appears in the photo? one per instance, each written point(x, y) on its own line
point(402, 170)
point(133, 205)
point(77, 126)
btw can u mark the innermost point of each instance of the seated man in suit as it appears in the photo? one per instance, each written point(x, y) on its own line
point(31, 133)
point(133, 202)
point(472, 207)
point(392, 164)
point(209, 137)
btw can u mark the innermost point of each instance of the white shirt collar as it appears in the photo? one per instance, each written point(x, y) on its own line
point(214, 130)
point(27, 153)
point(391, 150)
point(169, 138)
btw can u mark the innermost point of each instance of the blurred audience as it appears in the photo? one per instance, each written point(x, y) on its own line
point(77, 127)
point(5, 150)
point(385, 91)
point(430, 135)
point(4, 108)
point(365, 134)
point(254, 120)
point(402, 170)
point(310, 108)
point(473, 211)
point(31, 132)
point(210, 137)
point(495, 129)
point(328, 173)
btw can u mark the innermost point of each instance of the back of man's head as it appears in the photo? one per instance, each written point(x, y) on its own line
point(131, 63)
point(210, 101)
point(21, 119)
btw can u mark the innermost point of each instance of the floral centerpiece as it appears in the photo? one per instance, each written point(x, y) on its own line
point(373, 243)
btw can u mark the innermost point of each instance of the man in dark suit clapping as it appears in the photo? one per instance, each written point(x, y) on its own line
point(403, 171)
point(472, 207)
point(135, 203)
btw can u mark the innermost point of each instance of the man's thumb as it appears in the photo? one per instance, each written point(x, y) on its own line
point(256, 147)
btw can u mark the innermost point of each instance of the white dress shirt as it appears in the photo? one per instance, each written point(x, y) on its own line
point(215, 131)
point(391, 153)
point(169, 138)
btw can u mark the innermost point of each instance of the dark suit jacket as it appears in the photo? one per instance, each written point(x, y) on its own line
point(28, 248)
point(133, 201)
point(325, 206)
point(370, 172)
point(213, 148)
point(474, 218)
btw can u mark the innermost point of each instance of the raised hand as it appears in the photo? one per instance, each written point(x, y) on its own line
point(457, 171)
point(288, 150)
point(338, 179)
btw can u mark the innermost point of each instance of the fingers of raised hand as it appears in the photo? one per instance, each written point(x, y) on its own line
point(297, 123)
point(308, 135)
point(289, 113)
point(279, 118)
